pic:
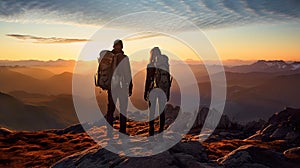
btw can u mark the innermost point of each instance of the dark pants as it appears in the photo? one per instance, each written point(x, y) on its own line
point(153, 98)
point(111, 107)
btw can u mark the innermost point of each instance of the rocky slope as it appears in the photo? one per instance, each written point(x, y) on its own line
point(283, 125)
point(226, 147)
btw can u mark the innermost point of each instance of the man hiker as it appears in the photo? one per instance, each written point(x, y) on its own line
point(114, 75)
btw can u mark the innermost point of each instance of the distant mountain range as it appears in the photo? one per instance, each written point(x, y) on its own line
point(58, 62)
point(267, 66)
point(254, 91)
point(55, 84)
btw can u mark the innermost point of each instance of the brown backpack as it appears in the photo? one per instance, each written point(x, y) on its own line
point(106, 67)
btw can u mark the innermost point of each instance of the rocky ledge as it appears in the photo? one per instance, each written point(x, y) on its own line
point(275, 143)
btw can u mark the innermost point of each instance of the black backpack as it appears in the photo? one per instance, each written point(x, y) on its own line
point(163, 78)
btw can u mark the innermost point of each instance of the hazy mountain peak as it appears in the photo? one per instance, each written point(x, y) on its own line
point(295, 65)
point(58, 62)
point(6, 96)
point(270, 63)
point(268, 66)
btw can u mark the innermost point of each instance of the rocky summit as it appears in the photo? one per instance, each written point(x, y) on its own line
point(230, 145)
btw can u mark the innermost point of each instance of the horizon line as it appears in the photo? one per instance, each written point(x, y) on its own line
point(188, 60)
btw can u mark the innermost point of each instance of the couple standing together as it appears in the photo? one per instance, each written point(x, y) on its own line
point(114, 75)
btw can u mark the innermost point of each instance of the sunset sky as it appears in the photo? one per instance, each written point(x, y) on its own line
point(246, 30)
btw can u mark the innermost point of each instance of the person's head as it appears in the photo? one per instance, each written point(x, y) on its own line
point(154, 53)
point(118, 45)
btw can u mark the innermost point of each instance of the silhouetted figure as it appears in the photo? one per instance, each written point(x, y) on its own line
point(157, 87)
point(114, 75)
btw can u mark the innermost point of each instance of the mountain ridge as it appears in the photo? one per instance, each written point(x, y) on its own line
point(268, 66)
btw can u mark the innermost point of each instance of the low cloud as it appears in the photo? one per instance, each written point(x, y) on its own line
point(144, 35)
point(45, 40)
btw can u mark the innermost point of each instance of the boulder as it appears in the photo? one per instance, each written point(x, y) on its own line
point(5, 131)
point(183, 154)
point(185, 160)
point(209, 115)
point(252, 156)
point(292, 153)
point(93, 157)
point(164, 159)
point(192, 148)
point(253, 126)
point(284, 125)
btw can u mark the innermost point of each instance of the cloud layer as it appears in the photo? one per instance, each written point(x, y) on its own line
point(204, 13)
point(45, 40)
point(142, 36)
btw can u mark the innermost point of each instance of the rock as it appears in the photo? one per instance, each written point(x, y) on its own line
point(284, 125)
point(253, 126)
point(73, 129)
point(171, 113)
point(193, 148)
point(100, 157)
point(5, 131)
point(292, 153)
point(292, 135)
point(183, 154)
point(160, 160)
point(256, 136)
point(237, 157)
point(269, 129)
point(224, 122)
point(77, 128)
point(185, 160)
point(93, 157)
point(252, 156)
point(280, 132)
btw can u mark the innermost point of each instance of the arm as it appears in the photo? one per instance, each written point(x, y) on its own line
point(146, 85)
point(149, 81)
point(127, 75)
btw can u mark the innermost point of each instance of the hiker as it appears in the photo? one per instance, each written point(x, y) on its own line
point(157, 87)
point(114, 75)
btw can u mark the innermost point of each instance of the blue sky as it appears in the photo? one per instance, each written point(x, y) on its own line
point(204, 13)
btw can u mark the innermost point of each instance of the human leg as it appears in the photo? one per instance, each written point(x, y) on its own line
point(152, 107)
point(123, 98)
point(110, 111)
point(162, 100)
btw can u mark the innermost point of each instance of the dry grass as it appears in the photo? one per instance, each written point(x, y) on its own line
point(40, 149)
point(44, 148)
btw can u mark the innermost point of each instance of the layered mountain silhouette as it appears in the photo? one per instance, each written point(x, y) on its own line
point(55, 84)
point(254, 91)
point(52, 112)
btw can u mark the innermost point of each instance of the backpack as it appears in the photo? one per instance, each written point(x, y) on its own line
point(107, 64)
point(163, 78)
